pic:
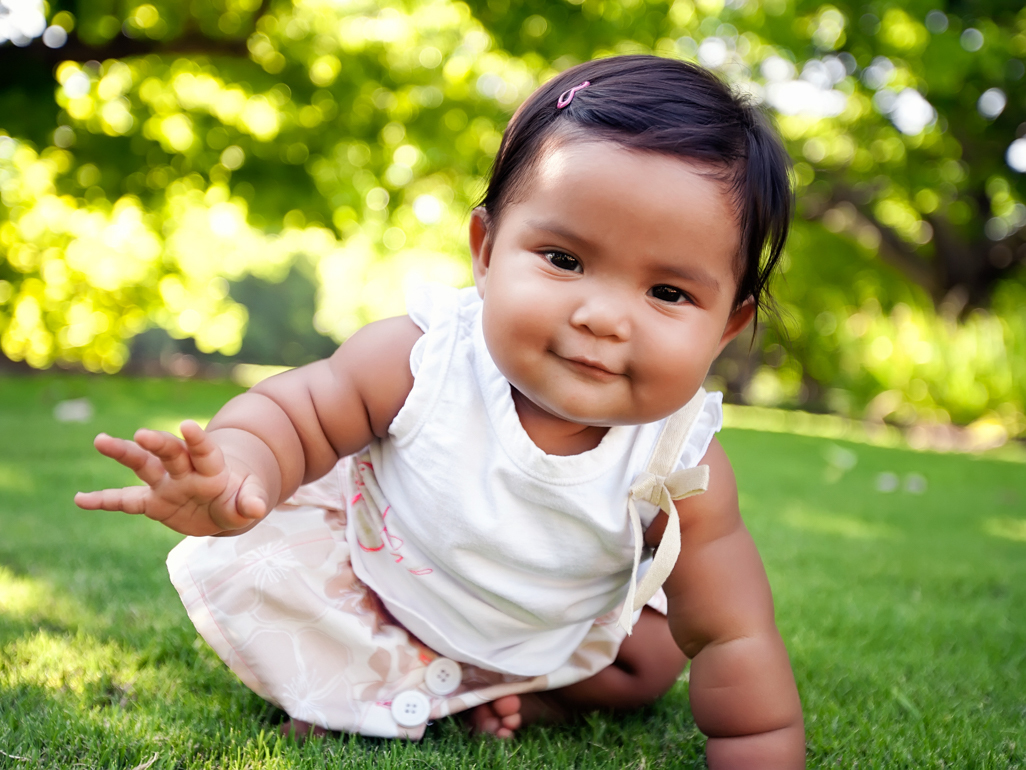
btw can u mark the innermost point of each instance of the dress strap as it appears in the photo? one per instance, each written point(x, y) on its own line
point(660, 487)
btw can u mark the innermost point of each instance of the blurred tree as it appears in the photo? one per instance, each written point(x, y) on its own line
point(189, 143)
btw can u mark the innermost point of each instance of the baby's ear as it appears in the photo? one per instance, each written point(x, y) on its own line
point(739, 319)
point(480, 246)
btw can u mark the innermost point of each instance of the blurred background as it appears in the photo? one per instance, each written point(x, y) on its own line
point(185, 186)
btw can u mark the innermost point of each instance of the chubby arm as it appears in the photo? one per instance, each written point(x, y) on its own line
point(263, 444)
point(300, 422)
point(742, 691)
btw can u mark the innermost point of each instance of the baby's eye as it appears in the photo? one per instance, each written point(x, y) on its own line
point(665, 293)
point(563, 261)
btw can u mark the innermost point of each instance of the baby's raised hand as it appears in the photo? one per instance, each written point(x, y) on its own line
point(190, 486)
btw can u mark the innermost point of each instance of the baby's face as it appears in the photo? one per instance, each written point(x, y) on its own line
point(608, 290)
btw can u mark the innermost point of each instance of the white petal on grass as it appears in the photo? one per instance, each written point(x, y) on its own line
point(915, 483)
point(73, 410)
point(842, 458)
point(886, 481)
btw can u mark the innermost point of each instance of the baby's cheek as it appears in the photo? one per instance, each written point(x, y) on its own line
point(670, 384)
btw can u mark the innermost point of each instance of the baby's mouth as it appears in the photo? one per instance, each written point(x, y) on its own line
point(590, 367)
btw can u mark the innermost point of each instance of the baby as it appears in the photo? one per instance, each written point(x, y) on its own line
point(457, 511)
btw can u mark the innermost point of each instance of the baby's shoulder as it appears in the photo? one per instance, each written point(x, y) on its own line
point(714, 512)
point(376, 360)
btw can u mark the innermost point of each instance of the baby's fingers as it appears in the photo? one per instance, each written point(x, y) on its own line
point(207, 457)
point(251, 500)
point(169, 449)
point(147, 467)
point(127, 500)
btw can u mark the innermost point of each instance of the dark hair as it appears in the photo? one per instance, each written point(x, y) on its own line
point(670, 107)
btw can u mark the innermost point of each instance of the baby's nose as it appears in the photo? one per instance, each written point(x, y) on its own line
point(604, 315)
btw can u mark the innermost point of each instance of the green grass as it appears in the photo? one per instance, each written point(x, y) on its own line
point(905, 614)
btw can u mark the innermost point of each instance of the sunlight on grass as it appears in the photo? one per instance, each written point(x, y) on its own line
point(1008, 529)
point(977, 438)
point(830, 523)
point(800, 423)
point(78, 664)
point(15, 479)
point(23, 598)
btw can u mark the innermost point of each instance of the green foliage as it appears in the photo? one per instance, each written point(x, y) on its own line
point(187, 146)
point(856, 338)
point(901, 613)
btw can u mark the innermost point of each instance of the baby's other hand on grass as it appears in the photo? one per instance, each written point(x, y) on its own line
point(191, 486)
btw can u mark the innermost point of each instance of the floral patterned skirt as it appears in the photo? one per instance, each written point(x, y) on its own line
point(281, 606)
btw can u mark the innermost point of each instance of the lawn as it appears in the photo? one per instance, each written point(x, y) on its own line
point(903, 612)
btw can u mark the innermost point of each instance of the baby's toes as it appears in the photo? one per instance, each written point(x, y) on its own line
point(512, 722)
point(500, 718)
point(508, 711)
point(300, 730)
point(506, 706)
point(483, 719)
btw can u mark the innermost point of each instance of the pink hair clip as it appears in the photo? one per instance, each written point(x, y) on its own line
point(568, 96)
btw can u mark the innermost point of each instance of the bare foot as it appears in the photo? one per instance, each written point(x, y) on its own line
point(300, 730)
point(499, 717)
point(504, 716)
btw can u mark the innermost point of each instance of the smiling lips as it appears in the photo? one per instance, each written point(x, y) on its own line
point(590, 368)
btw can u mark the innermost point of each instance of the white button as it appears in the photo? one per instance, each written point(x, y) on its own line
point(443, 676)
point(411, 708)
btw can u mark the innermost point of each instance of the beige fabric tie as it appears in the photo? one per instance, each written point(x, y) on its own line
point(660, 487)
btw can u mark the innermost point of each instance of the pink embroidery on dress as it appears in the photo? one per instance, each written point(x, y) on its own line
point(392, 541)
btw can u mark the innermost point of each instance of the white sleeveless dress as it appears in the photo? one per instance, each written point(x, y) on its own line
point(454, 544)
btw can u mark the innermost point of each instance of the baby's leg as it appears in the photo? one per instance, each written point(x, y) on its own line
point(299, 730)
point(648, 664)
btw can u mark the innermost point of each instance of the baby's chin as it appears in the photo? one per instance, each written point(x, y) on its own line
point(596, 415)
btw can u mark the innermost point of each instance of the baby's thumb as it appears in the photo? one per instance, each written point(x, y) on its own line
point(252, 502)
